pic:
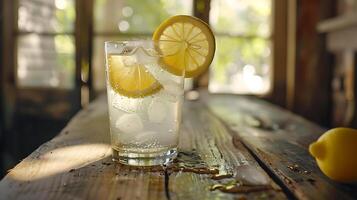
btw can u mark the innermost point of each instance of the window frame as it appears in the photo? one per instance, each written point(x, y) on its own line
point(45, 96)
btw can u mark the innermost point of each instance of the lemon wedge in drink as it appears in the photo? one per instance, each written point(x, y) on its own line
point(131, 81)
point(187, 45)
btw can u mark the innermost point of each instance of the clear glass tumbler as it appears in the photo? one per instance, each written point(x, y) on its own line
point(144, 102)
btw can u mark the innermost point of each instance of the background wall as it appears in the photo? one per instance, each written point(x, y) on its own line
point(310, 85)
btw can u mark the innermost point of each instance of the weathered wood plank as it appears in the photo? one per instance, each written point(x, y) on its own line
point(77, 165)
point(279, 139)
point(214, 143)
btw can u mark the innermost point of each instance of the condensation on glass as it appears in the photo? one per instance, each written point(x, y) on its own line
point(242, 62)
point(45, 44)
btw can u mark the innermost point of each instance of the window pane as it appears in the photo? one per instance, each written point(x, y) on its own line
point(136, 16)
point(247, 17)
point(241, 65)
point(46, 15)
point(45, 61)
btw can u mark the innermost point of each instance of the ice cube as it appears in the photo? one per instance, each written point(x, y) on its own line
point(157, 72)
point(167, 137)
point(165, 96)
point(162, 76)
point(130, 105)
point(129, 123)
point(143, 57)
point(157, 111)
point(174, 89)
point(129, 61)
point(124, 138)
point(144, 137)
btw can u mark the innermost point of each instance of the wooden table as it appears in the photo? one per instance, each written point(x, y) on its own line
point(231, 147)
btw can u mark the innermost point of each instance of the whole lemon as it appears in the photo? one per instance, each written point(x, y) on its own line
point(336, 154)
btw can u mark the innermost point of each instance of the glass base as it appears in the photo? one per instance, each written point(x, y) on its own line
point(144, 159)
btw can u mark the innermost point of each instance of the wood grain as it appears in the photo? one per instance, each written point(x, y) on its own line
point(279, 140)
point(77, 164)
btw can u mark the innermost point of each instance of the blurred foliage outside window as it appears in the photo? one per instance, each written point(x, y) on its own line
point(242, 62)
point(45, 44)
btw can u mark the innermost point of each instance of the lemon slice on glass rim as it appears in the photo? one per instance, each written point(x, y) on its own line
point(187, 45)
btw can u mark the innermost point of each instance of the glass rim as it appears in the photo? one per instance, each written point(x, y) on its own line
point(149, 46)
point(131, 42)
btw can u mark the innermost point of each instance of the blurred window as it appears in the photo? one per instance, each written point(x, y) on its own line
point(46, 41)
point(242, 62)
point(46, 44)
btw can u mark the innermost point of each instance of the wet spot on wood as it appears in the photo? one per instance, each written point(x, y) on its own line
point(294, 168)
point(239, 187)
point(221, 176)
point(186, 161)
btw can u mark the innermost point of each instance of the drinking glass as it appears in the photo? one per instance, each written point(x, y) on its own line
point(144, 102)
